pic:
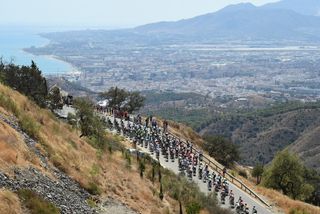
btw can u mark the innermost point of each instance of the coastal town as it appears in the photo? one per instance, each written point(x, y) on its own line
point(218, 71)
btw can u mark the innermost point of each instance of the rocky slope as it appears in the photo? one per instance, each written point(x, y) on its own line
point(42, 154)
point(61, 191)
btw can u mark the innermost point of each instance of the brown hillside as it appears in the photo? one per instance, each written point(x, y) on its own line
point(308, 148)
point(277, 199)
point(72, 155)
point(261, 135)
point(9, 202)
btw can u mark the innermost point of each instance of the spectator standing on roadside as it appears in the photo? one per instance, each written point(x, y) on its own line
point(165, 126)
point(224, 171)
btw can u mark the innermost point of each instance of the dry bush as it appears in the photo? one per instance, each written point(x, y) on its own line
point(286, 203)
point(114, 179)
point(7, 154)
point(36, 204)
point(13, 151)
point(278, 200)
point(9, 202)
point(184, 132)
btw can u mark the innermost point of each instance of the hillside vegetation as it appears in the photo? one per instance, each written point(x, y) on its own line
point(104, 174)
point(46, 167)
point(262, 133)
point(187, 108)
point(70, 154)
point(277, 199)
point(67, 152)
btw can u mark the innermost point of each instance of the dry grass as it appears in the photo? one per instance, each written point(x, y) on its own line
point(276, 199)
point(77, 158)
point(13, 151)
point(286, 203)
point(9, 202)
point(182, 131)
point(127, 185)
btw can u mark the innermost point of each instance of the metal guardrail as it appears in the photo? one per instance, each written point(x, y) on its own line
point(228, 176)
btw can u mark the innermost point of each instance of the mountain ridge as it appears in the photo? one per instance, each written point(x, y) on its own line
point(309, 7)
point(245, 22)
point(63, 168)
point(261, 136)
point(241, 21)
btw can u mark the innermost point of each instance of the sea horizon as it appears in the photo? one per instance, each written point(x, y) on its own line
point(13, 41)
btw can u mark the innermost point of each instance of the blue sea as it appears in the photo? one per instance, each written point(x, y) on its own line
point(14, 39)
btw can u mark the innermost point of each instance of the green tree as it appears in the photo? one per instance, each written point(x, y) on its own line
point(40, 91)
point(90, 125)
point(286, 173)
point(224, 151)
point(313, 177)
point(193, 208)
point(85, 116)
point(257, 172)
point(123, 100)
point(27, 80)
point(135, 102)
point(115, 95)
point(55, 99)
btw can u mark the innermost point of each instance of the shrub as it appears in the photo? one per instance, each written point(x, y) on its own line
point(128, 159)
point(10, 203)
point(286, 173)
point(243, 173)
point(188, 193)
point(257, 172)
point(93, 188)
point(142, 168)
point(99, 154)
point(91, 203)
point(193, 208)
point(298, 211)
point(73, 144)
point(57, 162)
point(7, 103)
point(95, 169)
point(110, 149)
point(223, 150)
point(29, 126)
point(36, 204)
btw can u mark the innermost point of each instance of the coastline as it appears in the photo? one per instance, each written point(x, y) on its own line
point(72, 70)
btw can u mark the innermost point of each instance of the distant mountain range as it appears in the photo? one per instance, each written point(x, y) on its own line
point(284, 20)
point(305, 7)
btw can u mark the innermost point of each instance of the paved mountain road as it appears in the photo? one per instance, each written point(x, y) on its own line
point(261, 208)
point(173, 166)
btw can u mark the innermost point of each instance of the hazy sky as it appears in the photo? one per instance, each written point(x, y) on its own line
point(113, 13)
